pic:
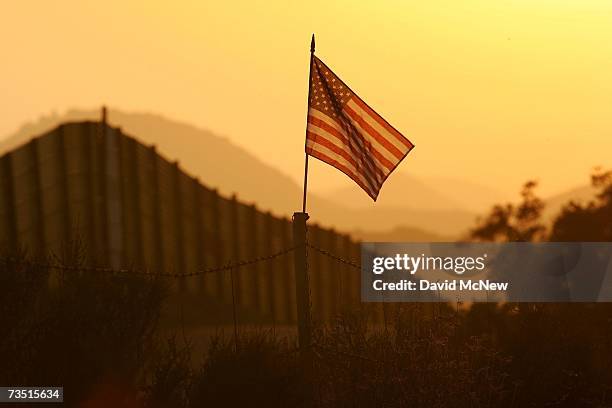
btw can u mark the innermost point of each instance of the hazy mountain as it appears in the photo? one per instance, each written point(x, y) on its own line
point(555, 203)
point(400, 190)
point(473, 196)
point(383, 218)
point(433, 193)
point(400, 234)
point(220, 163)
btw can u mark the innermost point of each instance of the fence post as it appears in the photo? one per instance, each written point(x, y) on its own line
point(302, 294)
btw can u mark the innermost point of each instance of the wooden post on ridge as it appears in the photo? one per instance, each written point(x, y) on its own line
point(302, 287)
point(302, 294)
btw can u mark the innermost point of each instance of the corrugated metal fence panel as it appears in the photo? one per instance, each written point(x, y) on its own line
point(94, 156)
point(131, 214)
point(279, 271)
point(315, 269)
point(133, 208)
point(224, 216)
point(8, 232)
point(27, 191)
point(78, 179)
point(190, 244)
point(114, 198)
point(53, 192)
point(262, 270)
point(289, 283)
point(349, 277)
point(209, 244)
point(167, 200)
point(244, 249)
point(150, 234)
point(332, 274)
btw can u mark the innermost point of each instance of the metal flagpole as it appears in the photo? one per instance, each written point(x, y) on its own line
point(312, 50)
point(302, 286)
point(305, 182)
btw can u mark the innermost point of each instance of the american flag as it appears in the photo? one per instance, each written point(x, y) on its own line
point(346, 133)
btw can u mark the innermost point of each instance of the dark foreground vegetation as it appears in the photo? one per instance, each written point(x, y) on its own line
point(99, 336)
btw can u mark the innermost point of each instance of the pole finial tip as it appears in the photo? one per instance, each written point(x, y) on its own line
point(312, 44)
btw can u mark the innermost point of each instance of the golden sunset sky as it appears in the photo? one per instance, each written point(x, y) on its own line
point(495, 92)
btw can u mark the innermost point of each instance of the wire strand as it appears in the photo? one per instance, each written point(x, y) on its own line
point(124, 271)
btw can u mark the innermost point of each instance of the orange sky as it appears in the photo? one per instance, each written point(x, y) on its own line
point(495, 92)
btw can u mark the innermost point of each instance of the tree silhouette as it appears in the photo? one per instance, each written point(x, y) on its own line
point(507, 222)
point(590, 222)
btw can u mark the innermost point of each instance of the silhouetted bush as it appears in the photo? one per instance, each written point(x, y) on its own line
point(590, 222)
point(509, 222)
point(414, 361)
point(171, 376)
point(88, 331)
point(262, 372)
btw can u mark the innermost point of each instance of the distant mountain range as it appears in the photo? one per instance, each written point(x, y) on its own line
point(401, 234)
point(435, 193)
point(408, 208)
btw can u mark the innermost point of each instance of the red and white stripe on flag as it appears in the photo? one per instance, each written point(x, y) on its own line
point(344, 132)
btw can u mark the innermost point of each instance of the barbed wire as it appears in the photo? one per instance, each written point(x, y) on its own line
point(64, 267)
point(223, 268)
point(126, 271)
point(329, 254)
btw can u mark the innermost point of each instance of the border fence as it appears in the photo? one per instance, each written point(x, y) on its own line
point(136, 212)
